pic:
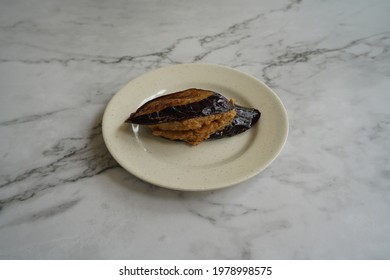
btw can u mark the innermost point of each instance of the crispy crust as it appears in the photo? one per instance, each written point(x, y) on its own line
point(179, 106)
point(193, 131)
point(174, 99)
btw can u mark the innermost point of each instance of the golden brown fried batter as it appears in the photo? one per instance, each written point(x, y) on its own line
point(195, 130)
point(174, 99)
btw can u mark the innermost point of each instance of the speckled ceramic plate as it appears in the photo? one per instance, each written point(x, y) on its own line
point(213, 164)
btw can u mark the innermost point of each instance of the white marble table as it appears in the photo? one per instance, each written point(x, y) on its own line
point(62, 196)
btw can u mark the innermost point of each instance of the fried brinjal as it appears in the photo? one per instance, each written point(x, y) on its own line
point(194, 115)
point(245, 118)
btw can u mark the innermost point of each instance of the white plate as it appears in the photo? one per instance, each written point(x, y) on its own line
point(212, 164)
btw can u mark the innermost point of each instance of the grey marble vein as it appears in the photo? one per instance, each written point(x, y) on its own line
point(30, 118)
point(43, 214)
point(89, 154)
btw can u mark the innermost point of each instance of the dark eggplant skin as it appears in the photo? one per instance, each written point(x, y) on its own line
point(245, 119)
point(213, 104)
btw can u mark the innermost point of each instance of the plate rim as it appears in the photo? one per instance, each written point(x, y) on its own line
point(239, 180)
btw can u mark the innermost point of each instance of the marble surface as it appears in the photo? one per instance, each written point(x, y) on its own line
point(62, 196)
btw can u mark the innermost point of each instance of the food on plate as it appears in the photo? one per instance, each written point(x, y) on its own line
point(245, 118)
point(194, 115)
